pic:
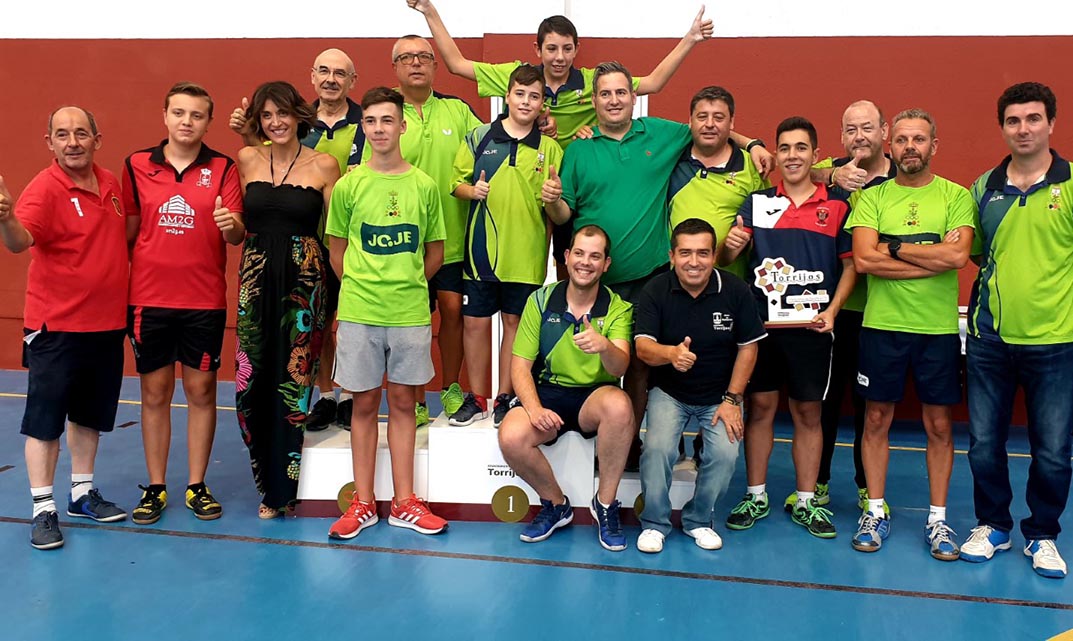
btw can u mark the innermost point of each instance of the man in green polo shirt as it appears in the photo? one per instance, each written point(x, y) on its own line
point(910, 235)
point(501, 169)
point(436, 125)
point(573, 344)
point(1021, 331)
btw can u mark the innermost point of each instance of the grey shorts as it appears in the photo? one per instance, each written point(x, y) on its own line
point(364, 353)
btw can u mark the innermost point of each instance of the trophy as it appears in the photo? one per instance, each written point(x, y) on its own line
point(774, 276)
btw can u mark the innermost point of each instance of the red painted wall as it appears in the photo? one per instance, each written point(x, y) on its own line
point(123, 83)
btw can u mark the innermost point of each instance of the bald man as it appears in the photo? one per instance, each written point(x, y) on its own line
point(71, 219)
point(338, 133)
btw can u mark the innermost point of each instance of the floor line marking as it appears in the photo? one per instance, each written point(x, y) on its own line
point(676, 574)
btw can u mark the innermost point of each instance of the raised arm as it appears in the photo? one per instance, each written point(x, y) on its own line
point(654, 82)
point(456, 63)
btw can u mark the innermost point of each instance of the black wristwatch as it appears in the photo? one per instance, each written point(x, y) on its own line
point(755, 142)
point(733, 399)
point(893, 247)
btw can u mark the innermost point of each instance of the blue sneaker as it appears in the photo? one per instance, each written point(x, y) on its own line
point(1046, 560)
point(93, 506)
point(871, 531)
point(548, 519)
point(983, 542)
point(611, 536)
point(940, 537)
point(45, 533)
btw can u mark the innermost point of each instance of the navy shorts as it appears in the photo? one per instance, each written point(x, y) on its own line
point(73, 376)
point(567, 403)
point(796, 357)
point(447, 279)
point(161, 337)
point(483, 298)
point(887, 357)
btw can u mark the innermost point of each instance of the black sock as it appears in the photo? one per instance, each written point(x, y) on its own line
point(157, 489)
point(196, 486)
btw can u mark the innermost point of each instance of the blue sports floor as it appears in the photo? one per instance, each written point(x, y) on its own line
point(242, 578)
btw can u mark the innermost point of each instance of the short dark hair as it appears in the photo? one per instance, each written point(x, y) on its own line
point(556, 24)
point(608, 68)
point(189, 89)
point(914, 114)
point(690, 227)
point(794, 123)
point(592, 230)
point(1024, 92)
point(377, 95)
point(287, 99)
point(712, 92)
point(89, 117)
point(525, 75)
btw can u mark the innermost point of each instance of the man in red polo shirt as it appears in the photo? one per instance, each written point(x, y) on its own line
point(70, 217)
point(184, 204)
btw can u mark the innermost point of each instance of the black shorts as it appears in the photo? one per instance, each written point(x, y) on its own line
point(482, 298)
point(161, 337)
point(567, 403)
point(447, 279)
point(887, 357)
point(630, 290)
point(795, 357)
point(73, 375)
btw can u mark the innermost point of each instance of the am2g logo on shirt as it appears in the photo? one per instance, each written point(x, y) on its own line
point(389, 239)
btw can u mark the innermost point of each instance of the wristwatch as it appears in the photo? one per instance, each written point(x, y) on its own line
point(755, 142)
point(733, 399)
point(893, 247)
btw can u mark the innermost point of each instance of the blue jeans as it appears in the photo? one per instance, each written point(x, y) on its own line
point(667, 419)
point(1045, 372)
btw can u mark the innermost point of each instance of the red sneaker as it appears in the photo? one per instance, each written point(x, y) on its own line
point(357, 517)
point(414, 513)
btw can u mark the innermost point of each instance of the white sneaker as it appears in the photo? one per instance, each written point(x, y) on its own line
point(706, 538)
point(650, 541)
point(983, 542)
point(1046, 560)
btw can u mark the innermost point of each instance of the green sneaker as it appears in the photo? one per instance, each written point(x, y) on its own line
point(862, 501)
point(823, 497)
point(421, 413)
point(746, 513)
point(452, 398)
point(815, 519)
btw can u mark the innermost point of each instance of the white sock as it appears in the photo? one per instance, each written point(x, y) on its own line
point(936, 513)
point(875, 506)
point(345, 396)
point(803, 497)
point(759, 491)
point(43, 501)
point(81, 484)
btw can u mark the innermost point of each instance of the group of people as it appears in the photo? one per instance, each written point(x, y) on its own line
point(724, 290)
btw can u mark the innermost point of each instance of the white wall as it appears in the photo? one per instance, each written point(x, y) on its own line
point(473, 18)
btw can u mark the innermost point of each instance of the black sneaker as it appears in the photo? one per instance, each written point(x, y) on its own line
point(470, 411)
point(321, 416)
point(203, 504)
point(815, 519)
point(150, 507)
point(46, 534)
point(500, 408)
point(93, 506)
point(343, 411)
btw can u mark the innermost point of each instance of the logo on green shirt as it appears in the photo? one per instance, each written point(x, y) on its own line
point(1056, 198)
point(393, 203)
point(389, 239)
point(913, 218)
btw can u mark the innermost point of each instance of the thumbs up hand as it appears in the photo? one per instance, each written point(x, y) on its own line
point(849, 176)
point(737, 237)
point(237, 122)
point(683, 358)
point(7, 203)
point(222, 215)
point(480, 188)
point(589, 340)
point(552, 190)
point(701, 29)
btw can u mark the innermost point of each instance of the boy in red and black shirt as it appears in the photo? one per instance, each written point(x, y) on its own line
point(183, 203)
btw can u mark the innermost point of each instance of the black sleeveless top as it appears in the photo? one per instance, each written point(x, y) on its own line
point(288, 210)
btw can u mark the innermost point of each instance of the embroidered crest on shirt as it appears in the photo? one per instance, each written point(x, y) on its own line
point(822, 214)
point(1056, 197)
point(393, 204)
point(912, 219)
point(539, 162)
point(722, 322)
point(205, 180)
point(118, 208)
point(729, 178)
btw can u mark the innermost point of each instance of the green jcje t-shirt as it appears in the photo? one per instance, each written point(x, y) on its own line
point(386, 219)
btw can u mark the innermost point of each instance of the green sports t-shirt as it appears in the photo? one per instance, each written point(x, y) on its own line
point(621, 185)
point(918, 215)
point(1024, 291)
point(570, 105)
point(714, 194)
point(506, 233)
point(430, 143)
point(386, 219)
point(546, 336)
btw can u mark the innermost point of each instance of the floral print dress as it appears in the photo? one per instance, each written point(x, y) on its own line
point(281, 317)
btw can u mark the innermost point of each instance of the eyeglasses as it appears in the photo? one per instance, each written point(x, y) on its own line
point(424, 57)
point(338, 74)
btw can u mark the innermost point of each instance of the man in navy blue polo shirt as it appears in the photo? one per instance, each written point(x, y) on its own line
point(697, 328)
point(801, 269)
